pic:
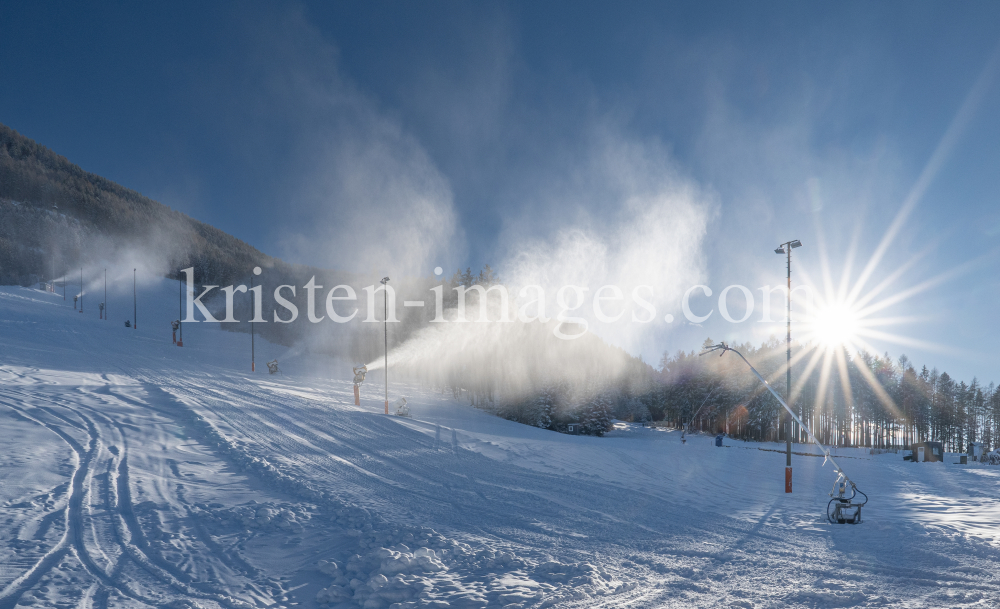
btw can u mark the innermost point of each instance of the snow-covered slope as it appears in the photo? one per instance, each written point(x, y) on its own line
point(136, 473)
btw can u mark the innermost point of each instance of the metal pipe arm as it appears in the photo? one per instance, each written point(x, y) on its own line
point(825, 451)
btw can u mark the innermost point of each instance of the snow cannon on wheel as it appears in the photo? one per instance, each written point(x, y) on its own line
point(272, 367)
point(402, 410)
point(843, 509)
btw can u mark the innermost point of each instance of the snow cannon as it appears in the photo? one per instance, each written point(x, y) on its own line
point(843, 509)
point(359, 377)
point(272, 367)
point(402, 410)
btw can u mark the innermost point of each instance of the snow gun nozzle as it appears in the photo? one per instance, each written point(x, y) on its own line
point(720, 347)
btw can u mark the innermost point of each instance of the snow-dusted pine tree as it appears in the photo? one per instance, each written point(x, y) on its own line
point(541, 414)
point(595, 416)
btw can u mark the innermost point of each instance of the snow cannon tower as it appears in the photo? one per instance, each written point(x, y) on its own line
point(359, 377)
point(843, 508)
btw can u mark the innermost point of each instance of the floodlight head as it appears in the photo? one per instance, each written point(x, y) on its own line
point(780, 250)
point(384, 281)
point(796, 243)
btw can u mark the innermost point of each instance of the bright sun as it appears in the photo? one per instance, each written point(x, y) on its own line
point(834, 325)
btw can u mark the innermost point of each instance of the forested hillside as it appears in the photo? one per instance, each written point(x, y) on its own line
point(54, 216)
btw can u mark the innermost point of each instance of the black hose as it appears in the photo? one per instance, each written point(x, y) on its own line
point(829, 514)
point(856, 491)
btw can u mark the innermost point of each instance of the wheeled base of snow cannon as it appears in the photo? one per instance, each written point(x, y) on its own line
point(843, 509)
point(402, 410)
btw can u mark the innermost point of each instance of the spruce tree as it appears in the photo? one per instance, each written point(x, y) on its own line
point(541, 415)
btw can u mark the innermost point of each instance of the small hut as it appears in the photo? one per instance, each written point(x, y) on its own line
point(928, 452)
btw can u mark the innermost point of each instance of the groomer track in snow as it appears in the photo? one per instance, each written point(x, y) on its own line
point(139, 474)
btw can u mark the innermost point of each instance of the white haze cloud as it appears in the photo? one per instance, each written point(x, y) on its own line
point(625, 217)
point(364, 195)
point(361, 194)
point(143, 259)
point(378, 203)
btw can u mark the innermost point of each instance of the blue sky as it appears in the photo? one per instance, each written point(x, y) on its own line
point(537, 127)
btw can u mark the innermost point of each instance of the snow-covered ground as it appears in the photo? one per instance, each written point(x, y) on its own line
point(135, 473)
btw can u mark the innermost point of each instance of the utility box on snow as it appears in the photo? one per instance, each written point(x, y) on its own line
point(718, 439)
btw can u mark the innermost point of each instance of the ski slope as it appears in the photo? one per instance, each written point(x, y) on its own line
point(139, 474)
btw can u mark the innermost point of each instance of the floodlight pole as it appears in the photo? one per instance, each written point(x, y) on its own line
point(253, 364)
point(788, 371)
point(135, 305)
point(81, 290)
point(786, 248)
point(180, 308)
point(385, 324)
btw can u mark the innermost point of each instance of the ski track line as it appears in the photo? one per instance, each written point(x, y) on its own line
point(271, 431)
point(281, 426)
point(256, 432)
point(61, 490)
point(397, 465)
point(80, 495)
point(299, 436)
point(279, 429)
point(131, 526)
point(406, 466)
point(123, 508)
point(125, 515)
point(135, 544)
point(73, 535)
point(272, 428)
point(10, 595)
point(82, 553)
